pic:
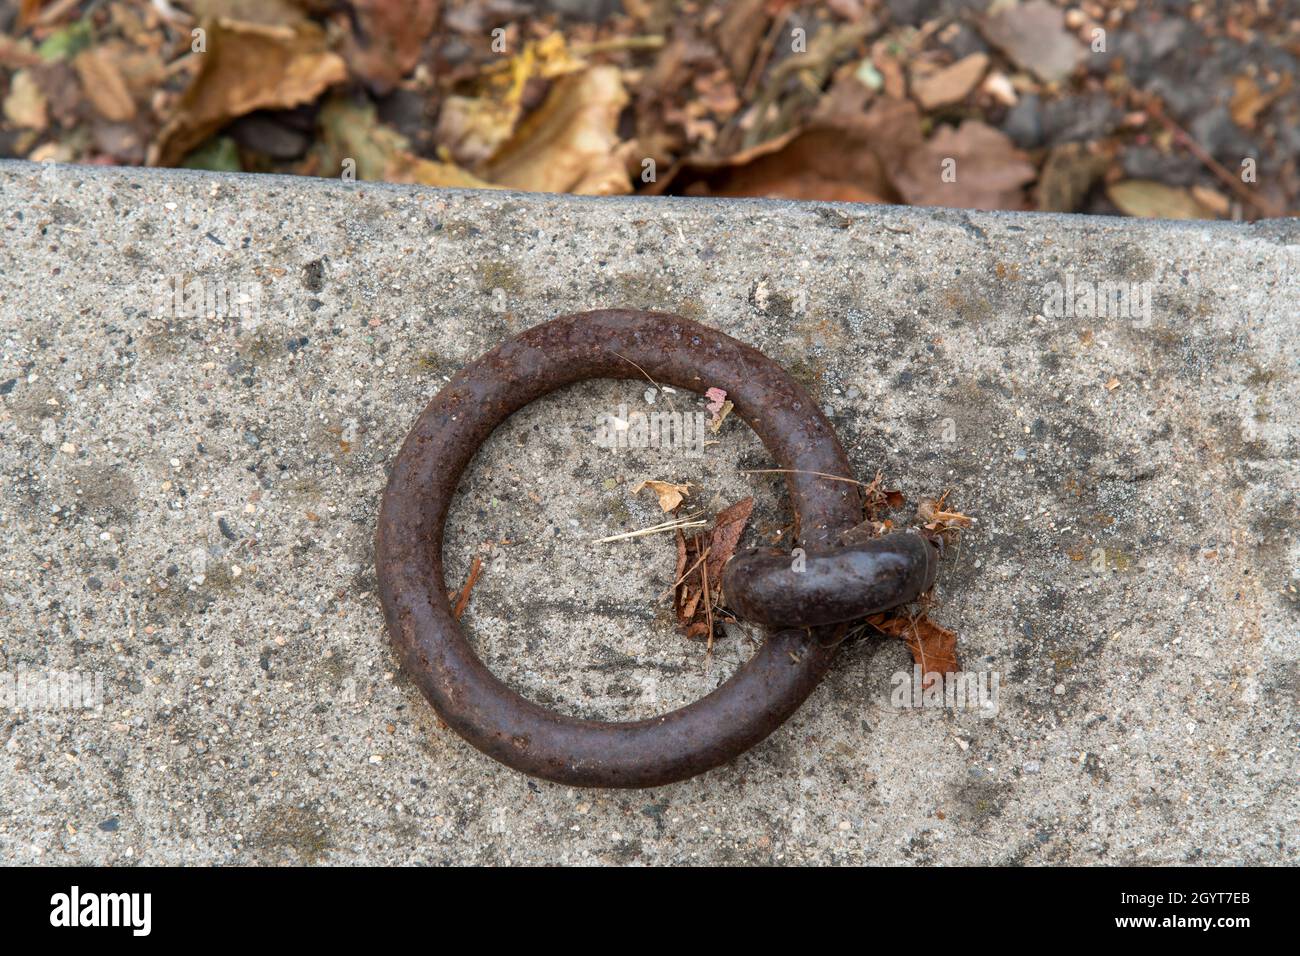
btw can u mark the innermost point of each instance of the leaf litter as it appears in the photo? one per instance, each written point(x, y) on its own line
point(1011, 106)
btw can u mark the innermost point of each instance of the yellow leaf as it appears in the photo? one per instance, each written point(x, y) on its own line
point(568, 143)
point(474, 127)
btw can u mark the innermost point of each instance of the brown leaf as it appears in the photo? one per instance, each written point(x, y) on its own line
point(933, 514)
point(1248, 100)
point(25, 106)
point(727, 529)
point(952, 84)
point(739, 34)
point(104, 85)
point(389, 38)
point(839, 158)
point(1034, 36)
point(472, 128)
point(1068, 175)
point(16, 54)
point(568, 143)
point(670, 494)
point(463, 599)
point(1213, 200)
point(699, 569)
point(971, 167)
point(247, 67)
point(934, 648)
point(1148, 199)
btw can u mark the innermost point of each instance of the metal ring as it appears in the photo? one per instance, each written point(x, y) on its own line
point(481, 708)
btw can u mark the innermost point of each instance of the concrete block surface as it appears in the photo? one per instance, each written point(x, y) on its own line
point(189, 482)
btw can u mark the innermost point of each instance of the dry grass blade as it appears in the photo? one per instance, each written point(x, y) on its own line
point(687, 522)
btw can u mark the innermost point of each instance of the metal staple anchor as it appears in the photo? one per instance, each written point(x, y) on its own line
point(762, 693)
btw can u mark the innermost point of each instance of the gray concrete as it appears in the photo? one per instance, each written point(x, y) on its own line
point(187, 506)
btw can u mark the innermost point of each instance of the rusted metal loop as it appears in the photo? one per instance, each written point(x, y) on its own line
point(409, 541)
point(831, 586)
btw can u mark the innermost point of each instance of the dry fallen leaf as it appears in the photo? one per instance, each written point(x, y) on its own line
point(25, 105)
point(971, 167)
point(17, 53)
point(247, 67)
point(1248, 100)
point(381, 153)
point(1068, 175)
point(934, 648)
point(1152, 200)
point(1034, 36)
point(837, 158)
point(952, 84)
point(670, 494)
point(934, 516)
point(474, 127)
point(388, 39)
point(727, 529)
point(104, 86)
point(1213, 200)
point(715, 423)
point(700, 561)
point(739, 34)
point(568, 143)
point(876, 499)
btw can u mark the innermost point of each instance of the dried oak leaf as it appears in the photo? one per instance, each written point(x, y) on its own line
point(670, 494)
point(934, 648)
point(247, 67)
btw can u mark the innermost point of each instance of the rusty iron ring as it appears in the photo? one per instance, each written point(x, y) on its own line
point(757, 698)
